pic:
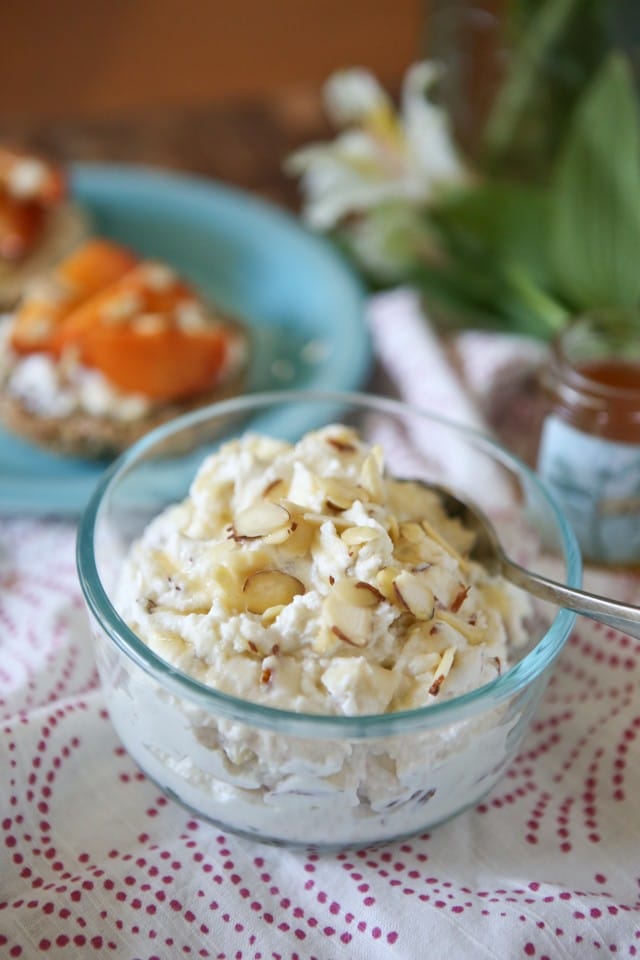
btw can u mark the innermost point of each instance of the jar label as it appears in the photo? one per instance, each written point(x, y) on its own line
point(597, 483)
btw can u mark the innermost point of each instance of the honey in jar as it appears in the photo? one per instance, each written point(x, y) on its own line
point(589, 451)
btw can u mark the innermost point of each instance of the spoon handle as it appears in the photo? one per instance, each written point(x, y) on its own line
point(621, 616)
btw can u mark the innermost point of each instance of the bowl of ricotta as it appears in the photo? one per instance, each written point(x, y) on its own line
point(293, 639)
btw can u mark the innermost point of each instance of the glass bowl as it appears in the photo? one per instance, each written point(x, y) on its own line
point(312, 780)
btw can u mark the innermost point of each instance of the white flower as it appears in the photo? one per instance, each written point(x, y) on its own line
point(351, 96)
point(427, 128)
point(381, 155)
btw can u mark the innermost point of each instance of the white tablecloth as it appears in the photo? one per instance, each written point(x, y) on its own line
point(94, 862)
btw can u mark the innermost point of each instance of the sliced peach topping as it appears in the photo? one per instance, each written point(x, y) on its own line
point(147, 333)
point(29, 187)
point(95, 265)
point(135, 321)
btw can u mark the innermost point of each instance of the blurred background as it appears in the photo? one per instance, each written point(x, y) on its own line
point(226, 89)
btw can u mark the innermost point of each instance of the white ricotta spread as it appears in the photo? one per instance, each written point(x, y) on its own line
point(302, 577)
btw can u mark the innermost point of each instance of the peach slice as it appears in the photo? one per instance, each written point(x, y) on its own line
point(95, 265)
point(148, 334)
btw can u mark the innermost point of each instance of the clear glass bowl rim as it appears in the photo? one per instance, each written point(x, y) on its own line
point(432, 716)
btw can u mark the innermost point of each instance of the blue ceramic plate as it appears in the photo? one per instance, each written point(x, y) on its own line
point(302, 304)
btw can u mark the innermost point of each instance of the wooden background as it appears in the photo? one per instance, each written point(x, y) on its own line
point(224, 89)
point(79, 59)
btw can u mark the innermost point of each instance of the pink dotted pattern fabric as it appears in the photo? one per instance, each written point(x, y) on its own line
point(95, 863)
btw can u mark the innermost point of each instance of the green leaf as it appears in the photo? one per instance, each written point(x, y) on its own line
point(497, 224)
point(595, 209)
point(513, 303)
point(527, 71)
point(550, 51)
point(491, 267)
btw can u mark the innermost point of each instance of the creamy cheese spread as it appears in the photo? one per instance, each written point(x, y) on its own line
point(304, 577)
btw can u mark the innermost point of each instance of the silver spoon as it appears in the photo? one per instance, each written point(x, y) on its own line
point(487, 551)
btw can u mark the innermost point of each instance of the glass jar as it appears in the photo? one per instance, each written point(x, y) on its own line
point(590, 445)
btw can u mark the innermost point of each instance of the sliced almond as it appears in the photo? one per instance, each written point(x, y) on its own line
point(358, 593)
point(279, 536)
point(442, 670)
point(384, 581)
point(472, 632)
point(363, 587)
point(356, 536)
point(371, 478)
point(378, 453)
point(413, 532)
point(352, 638)
point(265, 589)
point(414, 594)
point(342, 443)
point(271, 614)
point(259, 520)
point(349, 623)
point(393, 527)
point(274, 489)
point(317, 519)
point(298, 543)
point(459, 598)
point(412, 544)
point(339, 494)
point(326, 641)
point(442, 542)
point(410, 498)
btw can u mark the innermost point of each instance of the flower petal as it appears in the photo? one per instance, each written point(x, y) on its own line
point(352, 96)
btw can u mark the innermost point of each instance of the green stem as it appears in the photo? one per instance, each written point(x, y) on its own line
point(552, 314)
